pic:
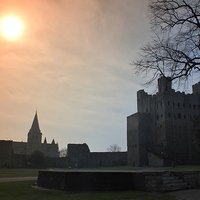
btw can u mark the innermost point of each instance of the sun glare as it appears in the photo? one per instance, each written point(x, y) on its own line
point(11, 27)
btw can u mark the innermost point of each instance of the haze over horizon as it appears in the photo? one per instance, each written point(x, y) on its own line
point(72, 64)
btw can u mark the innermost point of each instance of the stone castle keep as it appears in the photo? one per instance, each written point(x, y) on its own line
point(160, 133)
point(34, 142)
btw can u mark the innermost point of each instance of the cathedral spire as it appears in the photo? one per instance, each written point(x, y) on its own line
point(34, 134)
point(45, 141)
point(35, 124)
point(53, 141)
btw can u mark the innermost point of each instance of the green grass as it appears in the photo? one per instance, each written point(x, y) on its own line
point(176, 168)
point(115, 168)
point(18, 172)
point(23, 191)
point(6, 173)
point(184, 168)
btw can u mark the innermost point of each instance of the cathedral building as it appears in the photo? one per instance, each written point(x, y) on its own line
point(34, 142)
point(160, 133)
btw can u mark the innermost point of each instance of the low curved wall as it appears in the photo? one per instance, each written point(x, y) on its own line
point(110, 180)
point(90, 180)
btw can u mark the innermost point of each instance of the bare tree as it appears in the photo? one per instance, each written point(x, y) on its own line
point(114, 148)
point(175, 47)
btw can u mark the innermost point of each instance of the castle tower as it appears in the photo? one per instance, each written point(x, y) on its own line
point(164, 84)
point(34, 136)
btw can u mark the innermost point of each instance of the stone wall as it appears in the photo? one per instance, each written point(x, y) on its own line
point(79, 156)
point(114, 180)
point(155, 160)
point(192, 178)
point(86, 180)
point(6, 153)
point(108, 159)
point(139, 134)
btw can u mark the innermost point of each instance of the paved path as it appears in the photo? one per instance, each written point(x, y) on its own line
point(191, 194)
point(12, 179)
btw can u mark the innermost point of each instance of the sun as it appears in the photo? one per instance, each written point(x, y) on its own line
point(11, 27)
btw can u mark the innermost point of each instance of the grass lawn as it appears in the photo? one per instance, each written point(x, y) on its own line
point(18, 172)
point(23, 191)
point(184, 168)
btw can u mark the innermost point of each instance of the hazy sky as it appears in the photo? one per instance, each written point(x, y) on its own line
point(72, 63)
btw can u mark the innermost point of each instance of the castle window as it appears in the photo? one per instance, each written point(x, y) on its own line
point(161, 103)
point(189, 105)
point(179, 115)
point(169, 114)
point(168, 103)
point(173, 104)
point(157, 117)
point(183, 105)
point(178, 104)
point(194, 107)
point(198, 106)
point(174, 116)
point(184, 117)
point(161, 115)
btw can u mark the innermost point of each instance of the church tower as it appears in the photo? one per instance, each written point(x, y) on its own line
point(34, 136)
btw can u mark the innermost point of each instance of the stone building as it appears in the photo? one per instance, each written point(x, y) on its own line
point(34, 142)
point(79, 155)
point(160, 133)
point(6, 153)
